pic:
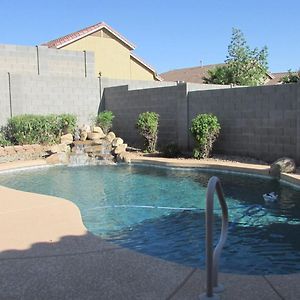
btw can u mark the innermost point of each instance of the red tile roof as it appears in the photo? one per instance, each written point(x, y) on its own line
point(72, 37)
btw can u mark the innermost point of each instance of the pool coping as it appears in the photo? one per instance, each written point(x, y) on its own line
point(189, 282)
point(227, 166)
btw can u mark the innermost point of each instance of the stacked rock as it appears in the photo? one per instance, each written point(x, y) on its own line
point(93, 143)
point(52, 153)
point(25, 152)
point(101, 146)
point(282, 165)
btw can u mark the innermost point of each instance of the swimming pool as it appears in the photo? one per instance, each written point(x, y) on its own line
point(160, 212)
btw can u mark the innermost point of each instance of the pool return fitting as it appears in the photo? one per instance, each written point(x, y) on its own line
point(212, 256)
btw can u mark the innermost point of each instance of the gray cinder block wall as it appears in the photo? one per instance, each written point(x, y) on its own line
point(44, 80)
point(166, 101)
point(18, 59)
point(44, 61)
point(135, 84)
point(50, 95)
point(258, 122)
point(4, 98)
point(261, 122)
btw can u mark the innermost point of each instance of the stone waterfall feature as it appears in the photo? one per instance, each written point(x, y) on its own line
point(89, 153)
point(93, 147)
point(78, 157)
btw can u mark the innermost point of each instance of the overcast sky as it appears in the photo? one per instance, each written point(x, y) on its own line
point(168, 34)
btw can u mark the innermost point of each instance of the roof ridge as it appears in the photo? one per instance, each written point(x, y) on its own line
point(71, 37)
point(191, 68)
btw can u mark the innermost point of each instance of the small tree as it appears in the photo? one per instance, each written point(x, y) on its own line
point(105, 120)
point(147, 124)
point(205, 129)
point(291, 77)
point(243, 66)
point(219, 75)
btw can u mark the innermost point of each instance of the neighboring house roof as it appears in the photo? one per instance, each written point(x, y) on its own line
point(193, 74)
point(72, 37)
point(141, 61)
point(196, 74)
point(276, 78)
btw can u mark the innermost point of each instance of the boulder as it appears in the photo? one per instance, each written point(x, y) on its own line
point(57, 148)
point(83, 136)
point(64, 148)
point(119, 149)
point(124, 157)
point(95, 135)
point(57, 158)
point(282, 165)
point(97, 129)
point(82, 143)
point(66, 139)
point(117, 142)
point(110, 137)
point(86, 128)
point(98, 142)
point(94, 148)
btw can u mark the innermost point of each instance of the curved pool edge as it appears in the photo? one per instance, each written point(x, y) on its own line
point(226, 166)
point(19, 165)
point(45, 222)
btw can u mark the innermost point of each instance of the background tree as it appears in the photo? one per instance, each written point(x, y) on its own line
point(219, 75)
point(292, 77)
point(243, 66)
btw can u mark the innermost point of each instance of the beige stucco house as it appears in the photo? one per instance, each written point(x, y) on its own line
point(114, 57)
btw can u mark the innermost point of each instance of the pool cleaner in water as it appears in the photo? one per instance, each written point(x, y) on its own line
point(270, 197)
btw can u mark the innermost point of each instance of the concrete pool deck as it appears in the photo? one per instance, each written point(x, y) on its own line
point(47, 253)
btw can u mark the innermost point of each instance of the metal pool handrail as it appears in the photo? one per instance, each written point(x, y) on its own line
point(212, 257)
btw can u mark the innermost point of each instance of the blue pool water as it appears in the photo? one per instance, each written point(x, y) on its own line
point(159, 211)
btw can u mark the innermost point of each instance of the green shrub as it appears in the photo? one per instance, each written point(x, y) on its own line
point(3, 140)
point(205, 129)
point(147, 124)
point(171, 150)
point(32, 129)
point(105, 120)
point(38, 129)
point(67, 123)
